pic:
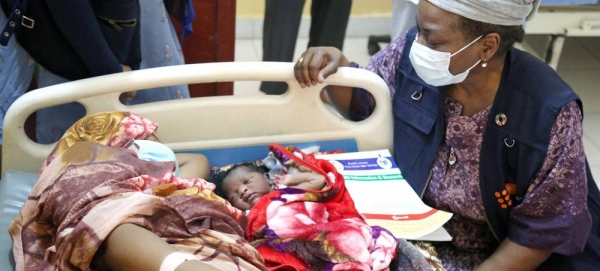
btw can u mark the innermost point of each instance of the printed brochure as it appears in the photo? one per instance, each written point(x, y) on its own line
point(384, 198)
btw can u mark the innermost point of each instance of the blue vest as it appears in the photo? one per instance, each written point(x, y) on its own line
point(530, 96)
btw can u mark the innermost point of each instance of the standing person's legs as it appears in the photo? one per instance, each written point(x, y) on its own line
point(16, 71)
point(160, 48)
point(52, 122)
point(403, 17)
point(329, 22)
point(280, 32)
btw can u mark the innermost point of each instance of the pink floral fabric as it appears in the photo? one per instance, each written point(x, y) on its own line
point(145, 183)
point(294, 229)
point(113, 129)
point(90, 184)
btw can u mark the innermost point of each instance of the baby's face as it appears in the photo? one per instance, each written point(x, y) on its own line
point(244, 187)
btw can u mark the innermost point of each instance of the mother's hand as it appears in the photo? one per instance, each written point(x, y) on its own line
point(317, 63)
point(126, 97)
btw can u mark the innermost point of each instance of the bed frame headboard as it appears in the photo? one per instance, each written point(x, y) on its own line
point(209, 123)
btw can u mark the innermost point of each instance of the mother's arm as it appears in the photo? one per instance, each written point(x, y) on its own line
point(193, 165)
point(130, 247)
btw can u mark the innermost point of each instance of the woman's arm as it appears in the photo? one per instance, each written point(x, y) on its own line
point(193, 165)
point(130, 247)
point(320, 62)
point(316, 65)
point(511, 256)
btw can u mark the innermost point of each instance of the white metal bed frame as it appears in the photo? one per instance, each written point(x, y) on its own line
point(210, 122)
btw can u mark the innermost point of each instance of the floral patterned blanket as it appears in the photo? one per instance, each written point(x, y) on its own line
point(295, 229)
point(90, 184)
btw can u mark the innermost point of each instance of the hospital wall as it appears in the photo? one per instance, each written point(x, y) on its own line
point(368, 17)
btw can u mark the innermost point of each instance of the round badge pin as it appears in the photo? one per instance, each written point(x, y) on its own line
point(501, 119)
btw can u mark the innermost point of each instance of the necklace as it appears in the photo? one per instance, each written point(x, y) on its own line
point(451, 157)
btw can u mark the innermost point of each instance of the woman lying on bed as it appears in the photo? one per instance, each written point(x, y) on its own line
point(96, 205)
point(307, 220)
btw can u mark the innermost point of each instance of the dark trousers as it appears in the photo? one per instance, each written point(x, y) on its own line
point(329, 19)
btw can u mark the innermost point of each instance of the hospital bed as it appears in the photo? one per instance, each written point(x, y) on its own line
point(226, 129)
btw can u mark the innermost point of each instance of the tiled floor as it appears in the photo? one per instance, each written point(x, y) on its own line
point(579, 66)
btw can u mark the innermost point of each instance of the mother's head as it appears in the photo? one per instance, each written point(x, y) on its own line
point(475, 34)
point(114, 129)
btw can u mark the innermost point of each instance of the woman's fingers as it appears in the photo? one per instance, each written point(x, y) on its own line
point(303, 62)
point(126, 68)
point(318, 61)
point(126, 97)
point(316, 64)
point(330, 68)
point(299, 70)
point(308, 66)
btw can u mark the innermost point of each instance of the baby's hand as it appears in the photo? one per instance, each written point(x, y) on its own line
point(282, 180)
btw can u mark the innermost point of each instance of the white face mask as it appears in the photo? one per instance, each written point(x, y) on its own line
point(434, 66)
point(156, 152)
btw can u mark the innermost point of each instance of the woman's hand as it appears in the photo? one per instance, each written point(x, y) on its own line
point(126, 96)
point(317, 63)
point(512, 256)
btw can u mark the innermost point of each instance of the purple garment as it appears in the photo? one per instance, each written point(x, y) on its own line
point(384, 63)
point(455, 188)
point(554, 207)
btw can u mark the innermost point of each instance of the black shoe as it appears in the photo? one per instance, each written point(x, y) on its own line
point(373, 43)
point(273, 88)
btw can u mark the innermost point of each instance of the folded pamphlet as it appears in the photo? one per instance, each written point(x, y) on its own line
point(384, 198)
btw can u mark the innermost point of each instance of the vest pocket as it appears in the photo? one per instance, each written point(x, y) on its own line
point(510, 155)
point(406, 150)
point(516, 171)
point(416, 117)
point(118, 25)
point(412, 126)
point(123, 13)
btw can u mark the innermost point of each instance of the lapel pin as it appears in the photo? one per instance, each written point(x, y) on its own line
point(501, 119)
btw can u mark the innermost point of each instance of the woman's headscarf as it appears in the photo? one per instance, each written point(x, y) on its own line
point(499, 12)
point(113, 129)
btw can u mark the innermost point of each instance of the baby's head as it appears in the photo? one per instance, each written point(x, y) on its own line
point(244, 184)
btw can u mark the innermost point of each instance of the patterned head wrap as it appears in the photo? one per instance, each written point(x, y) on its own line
point(113, 129)
point(499, 12)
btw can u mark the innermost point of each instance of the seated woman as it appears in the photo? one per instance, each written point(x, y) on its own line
point(97, 205)
point(485, 131)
